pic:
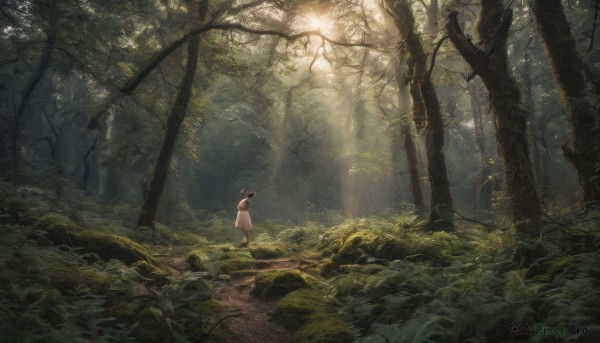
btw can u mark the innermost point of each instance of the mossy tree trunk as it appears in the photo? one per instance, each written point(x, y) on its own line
point(155, 183)
point(511, 119)
point(426, 114)
point(413, 167)
point(584, 152)
point(533, 133)
point(406, 130)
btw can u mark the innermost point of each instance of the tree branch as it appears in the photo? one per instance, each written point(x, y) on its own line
point(476, 57)
point(435, 51)
point(161, 55)
point(465, 47)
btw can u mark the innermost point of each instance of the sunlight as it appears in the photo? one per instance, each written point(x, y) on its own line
point(321, 23)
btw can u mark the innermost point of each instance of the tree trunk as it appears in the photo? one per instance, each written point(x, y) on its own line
point(413, 168)
point(157, 179)
point(568, 68)
point(433, 17)
point(425, 102)
point(38, 73)
point(404, 102)
point(84, 181)
point(530, 108)
point(511, 119)
point(485, 187)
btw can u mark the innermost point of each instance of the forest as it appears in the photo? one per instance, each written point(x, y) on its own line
point(414, 171)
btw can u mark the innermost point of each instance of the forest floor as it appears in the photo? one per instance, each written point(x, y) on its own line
point(247, 315)
point(252, 323)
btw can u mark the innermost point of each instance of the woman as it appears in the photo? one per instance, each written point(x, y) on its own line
point(242, 221)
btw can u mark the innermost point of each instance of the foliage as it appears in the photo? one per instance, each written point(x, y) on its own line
point(478, 296)
point(56, 292)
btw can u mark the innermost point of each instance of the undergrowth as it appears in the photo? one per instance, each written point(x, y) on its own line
point(386, 278)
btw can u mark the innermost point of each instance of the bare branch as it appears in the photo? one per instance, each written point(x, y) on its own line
point(435, 51)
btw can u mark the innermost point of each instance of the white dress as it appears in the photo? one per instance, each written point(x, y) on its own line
point(242, 221)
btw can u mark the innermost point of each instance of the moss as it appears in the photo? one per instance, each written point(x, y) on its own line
point(197, 259)
point(71, 278)
point(356, 247)
point(306, 313)
point(317, 267)
point(296, 308)
point(276, 283)
point(15, 211)
point(324, 329)
point(231, 260)
point(390, 248)
point(267, 251)
point(295, 235)
point(60, 231)
point(361, 245)
point(361, 269)
point(159, 276)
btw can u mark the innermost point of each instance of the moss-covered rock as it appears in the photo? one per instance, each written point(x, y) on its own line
point(306, 313)
point(295, 235)
point(267, 250)
point(233, 259)
point(59, 230)
point(198, 259)
point(296, 308)
point(357, 244)
point(277, 283)
point(361, 245)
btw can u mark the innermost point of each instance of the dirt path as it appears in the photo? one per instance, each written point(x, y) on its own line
point(253, 324)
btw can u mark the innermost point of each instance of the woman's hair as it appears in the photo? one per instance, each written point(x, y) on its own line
point(247, 193)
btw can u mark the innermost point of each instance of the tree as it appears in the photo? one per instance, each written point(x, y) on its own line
point(490, 63)
point(485, 187)
point(155, 183)
point(425, 107)
point(406, 130)
point(584, 152)
point(46, 10)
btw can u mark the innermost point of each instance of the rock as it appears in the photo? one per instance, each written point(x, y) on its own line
point(277, 283)
point(307, 313)
point(232, 260)
point(60, 230)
